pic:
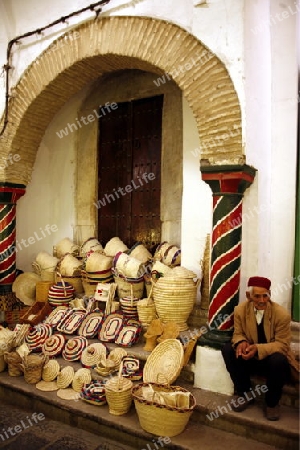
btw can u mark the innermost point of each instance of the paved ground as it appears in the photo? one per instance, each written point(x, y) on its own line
point(21, 430)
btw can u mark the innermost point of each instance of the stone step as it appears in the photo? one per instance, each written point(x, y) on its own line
point(248, 425)
point(230, 431)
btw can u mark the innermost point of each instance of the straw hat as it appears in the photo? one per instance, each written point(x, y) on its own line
point(46, 261)
point(69, 265)
point(92, 354)
point(53, 345)
point(82, 376)
point(97, 262)
point(47, 386)
point(140, 252)
point(74, 348)
point(114, 245)
point(65, 377)
point(50, 370)
point(66, 245)
point(91, 244)
point(24, 287)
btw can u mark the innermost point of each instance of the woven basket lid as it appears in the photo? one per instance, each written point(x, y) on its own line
point(65, 377)
point(53, 345)
point(92, 354)
point(74, 348)
point(37, 336)
point(165, 362)
point(82, 376)
point(118, 384)
point(50, 370)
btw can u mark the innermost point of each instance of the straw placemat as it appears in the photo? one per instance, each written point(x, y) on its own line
point(164, 363)
point(90, 325)
point(111, 327)
point(56, 316)
point(92, 355)
point(50, 370)
point(68, 394)
point(71, 322)
point(47, 386)
point(65, 377)
point(74, 348)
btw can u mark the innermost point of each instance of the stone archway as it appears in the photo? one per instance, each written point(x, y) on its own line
point(116, 43)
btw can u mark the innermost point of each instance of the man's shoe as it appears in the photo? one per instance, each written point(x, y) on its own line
point(272, 413)
point(241, 402)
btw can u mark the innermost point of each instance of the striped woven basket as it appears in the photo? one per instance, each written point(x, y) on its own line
point(159, 419)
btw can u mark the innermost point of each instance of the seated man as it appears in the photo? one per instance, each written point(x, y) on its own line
point(260, 344)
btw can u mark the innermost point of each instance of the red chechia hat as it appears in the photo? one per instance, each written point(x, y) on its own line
point(260, 282)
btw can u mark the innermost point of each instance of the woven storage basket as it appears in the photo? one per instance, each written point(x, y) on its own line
point(2, 363)
point(76, 282)
point(14, 362)
point(158, 419)
point(42, 290)
point(33, 367)
point(36, 313)
point(127, 288)
point(174, 299)
point(118, 395)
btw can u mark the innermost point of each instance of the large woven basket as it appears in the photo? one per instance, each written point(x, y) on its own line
point(128, 287)
point(158, 419)
point(174, 299)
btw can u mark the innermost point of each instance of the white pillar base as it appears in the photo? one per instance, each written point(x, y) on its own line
point(210, 371)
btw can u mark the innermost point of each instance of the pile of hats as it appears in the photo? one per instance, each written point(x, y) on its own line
point(61, 294)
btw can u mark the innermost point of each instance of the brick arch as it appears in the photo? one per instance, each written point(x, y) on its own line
point(116, 43)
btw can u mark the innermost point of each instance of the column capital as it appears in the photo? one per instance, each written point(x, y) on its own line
point(11, 192)
point(227, 179)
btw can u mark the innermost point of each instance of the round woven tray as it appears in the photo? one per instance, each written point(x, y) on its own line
point(165, 362)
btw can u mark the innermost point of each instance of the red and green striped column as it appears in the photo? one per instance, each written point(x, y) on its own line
point(9, 194)
point(228, 184)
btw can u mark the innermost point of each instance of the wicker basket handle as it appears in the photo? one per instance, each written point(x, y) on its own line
point(62, 282)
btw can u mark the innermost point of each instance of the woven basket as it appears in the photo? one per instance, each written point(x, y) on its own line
point(33, 367)
point(127, 288)
point(14, 361)
point(36, 313)
point(118, 395)
point(42, 290)
point(89, 288)
point(174, 299)
point(2, 363)
point(76, 282)
point(146, 311)
point(158, 419)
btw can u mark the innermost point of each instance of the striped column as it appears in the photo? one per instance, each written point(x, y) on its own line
point(228, 184)
point(9, 194)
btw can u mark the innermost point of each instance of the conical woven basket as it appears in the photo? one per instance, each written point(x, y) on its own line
point(174, 299)
point(118, 394)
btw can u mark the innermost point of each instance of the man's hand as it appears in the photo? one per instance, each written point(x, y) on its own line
point(241, 348)
point(250, 352)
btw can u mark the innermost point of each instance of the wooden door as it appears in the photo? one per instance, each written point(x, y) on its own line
point(130, 172)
